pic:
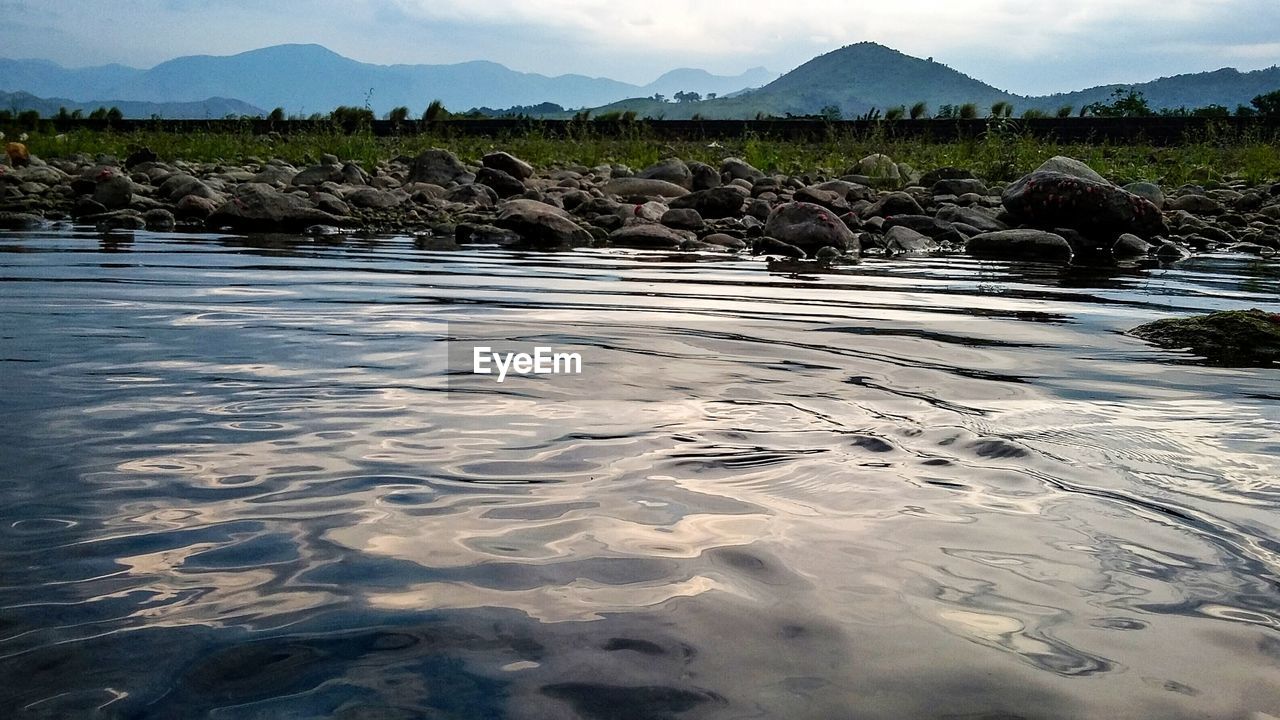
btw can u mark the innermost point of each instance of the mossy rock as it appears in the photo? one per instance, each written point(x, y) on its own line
point(1235, 337)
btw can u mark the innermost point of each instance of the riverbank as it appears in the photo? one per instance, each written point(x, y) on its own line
point(813, 203)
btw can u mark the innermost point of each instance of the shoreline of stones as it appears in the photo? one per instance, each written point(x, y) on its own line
point(1061, 212)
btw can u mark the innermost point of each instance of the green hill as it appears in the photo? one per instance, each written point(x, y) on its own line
point(859, 77)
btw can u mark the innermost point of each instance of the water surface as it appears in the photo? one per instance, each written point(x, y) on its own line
point(241, 479)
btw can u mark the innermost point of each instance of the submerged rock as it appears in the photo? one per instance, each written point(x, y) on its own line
point(1234, 337)
point(1021, 245)
point(649, 237)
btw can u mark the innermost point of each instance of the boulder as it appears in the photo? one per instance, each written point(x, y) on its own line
point(1072, 167)
point(272, 174)
point(713, 203)
point(932, 177)
point(738, 169)
point(473, 194)
point(644, 188)
point(850, 191)
point(894, 203)
point(140, 156)
point(318, 175)
point(18, 154)
point(436, 166)
point(725, 241)
point(829, 199)
point(194, 206)
point(810, 227)
point(1150, 191)
point(19, 221)
point(683, 219)
point(649, 237)
point(903, 240)
point(1195, 203)
point(114, 192)
point(159, 219)
point(503, 183)
point(959, 186)
point(766, 245)
point(1021, 245)
point(1234, 337)
point(879, 168)
point(182, 185)
point(507, 163)
point(541, 225)
point(257, 207)
point(672, 170)
point(372, 198)
point(486, 235)
point(704, 176)
point(1130, 246)
point(1053, 199)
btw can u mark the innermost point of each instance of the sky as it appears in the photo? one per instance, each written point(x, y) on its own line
point(1023, 46)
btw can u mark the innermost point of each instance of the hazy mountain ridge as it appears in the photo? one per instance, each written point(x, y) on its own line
point(305, 79)
point(208, 108)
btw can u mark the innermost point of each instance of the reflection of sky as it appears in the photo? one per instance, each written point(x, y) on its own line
point(845, 505)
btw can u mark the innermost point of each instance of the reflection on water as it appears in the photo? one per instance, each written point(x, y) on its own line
point(239, 483)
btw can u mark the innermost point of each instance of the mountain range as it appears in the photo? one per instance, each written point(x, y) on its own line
point(859, 77)
point(214, 107)
point(306, 79)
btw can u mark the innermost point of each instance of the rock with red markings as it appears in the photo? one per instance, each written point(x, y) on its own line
point(1048, 199)
point(810, 227)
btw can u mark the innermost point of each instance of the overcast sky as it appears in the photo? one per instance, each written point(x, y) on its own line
point(1023, 46)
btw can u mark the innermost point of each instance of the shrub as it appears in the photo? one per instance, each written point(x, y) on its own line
point(968, 111)
point(1124, 103)
point(919, 110)
point(1064, 111)
point(435, 111)
point(895, 113)
point(1267, 105)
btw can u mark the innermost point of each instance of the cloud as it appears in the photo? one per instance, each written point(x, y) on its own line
point(1014, 44)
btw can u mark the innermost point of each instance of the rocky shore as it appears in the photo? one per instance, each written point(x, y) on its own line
point(1062, 212)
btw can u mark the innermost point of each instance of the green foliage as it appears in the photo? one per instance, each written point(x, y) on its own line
point(276, 115)
point(967, 111)
point(352, 119)
point(616, 116)
point(1267, 105)
point(919, 110)
point(831, 112)
point(1002, 109)
point(399, 115)
point(682, 97)
point(29, 119)
point(894, 114)
point(1064, 111)
point(1034, 114)
point(1003, 152)
point(948, 112)
point(1124, 103)
point(435, 111)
